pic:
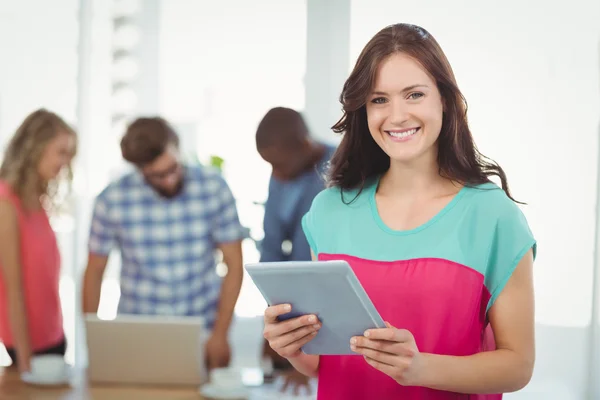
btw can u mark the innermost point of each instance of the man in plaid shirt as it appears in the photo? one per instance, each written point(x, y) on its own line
point(167, 220)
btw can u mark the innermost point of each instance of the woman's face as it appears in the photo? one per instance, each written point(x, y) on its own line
point(404, 109)
point(57, 155)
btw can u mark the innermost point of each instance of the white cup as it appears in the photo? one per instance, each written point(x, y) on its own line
point(226, 378)
point(48, 367)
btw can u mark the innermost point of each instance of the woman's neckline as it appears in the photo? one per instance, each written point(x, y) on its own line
point(375, 211)
point(24, 206)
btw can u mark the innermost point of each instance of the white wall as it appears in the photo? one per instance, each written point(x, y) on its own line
point(530, 72)
point(39, 60)
point(327, 58)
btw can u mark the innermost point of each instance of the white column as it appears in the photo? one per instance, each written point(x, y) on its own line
point(594, 367)
point(147, 53)
point(327, 63)
point(594, 361)
point(84, 106)
point(84, 129)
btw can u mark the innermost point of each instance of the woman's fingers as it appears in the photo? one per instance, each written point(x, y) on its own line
point(289, 338)
point(272, 312)
point(275, 328)
point(295, 346)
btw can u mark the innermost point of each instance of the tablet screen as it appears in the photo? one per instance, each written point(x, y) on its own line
point(328, 289)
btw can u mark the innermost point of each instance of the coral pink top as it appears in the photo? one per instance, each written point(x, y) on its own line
point(40, 266)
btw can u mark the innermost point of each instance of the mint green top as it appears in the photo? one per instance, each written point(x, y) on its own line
point(481, 228)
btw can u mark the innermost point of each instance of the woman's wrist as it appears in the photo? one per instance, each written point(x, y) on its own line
point(308, 364)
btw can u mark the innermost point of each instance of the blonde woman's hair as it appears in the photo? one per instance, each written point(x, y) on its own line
point(22, 156)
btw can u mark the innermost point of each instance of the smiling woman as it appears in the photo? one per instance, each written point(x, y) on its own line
point(520, 106)
point(408, 93)
point(444, 253)
point(396, 103)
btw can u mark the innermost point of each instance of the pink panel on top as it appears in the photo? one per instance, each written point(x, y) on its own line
point(40, 268)
point(441, 302)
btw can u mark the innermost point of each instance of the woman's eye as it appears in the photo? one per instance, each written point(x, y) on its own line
point(415, 95)
point(378, 100)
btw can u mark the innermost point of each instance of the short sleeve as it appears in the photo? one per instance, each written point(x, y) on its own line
point(227, 226)
point(308, 226)
point(312, 221)
point(512, 239)
point(103, 232)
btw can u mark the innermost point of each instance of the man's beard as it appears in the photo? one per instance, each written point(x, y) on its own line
point(170, 194)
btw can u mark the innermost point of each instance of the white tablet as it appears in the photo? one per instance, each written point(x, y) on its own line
point(328, 289)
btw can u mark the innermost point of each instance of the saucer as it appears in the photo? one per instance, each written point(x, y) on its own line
point(32, 379)
point(216, 393)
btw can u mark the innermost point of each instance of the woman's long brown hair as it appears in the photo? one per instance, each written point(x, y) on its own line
point(358, 158)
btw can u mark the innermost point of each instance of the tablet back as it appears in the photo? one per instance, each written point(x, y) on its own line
point(328, 289)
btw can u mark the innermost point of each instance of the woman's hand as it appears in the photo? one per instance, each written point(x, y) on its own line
point(24, 362)
point(287, 337)
point(391, 351)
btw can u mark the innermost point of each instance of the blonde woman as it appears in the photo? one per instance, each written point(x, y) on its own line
point(31, 319)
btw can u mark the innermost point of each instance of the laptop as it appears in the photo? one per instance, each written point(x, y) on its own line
point(153, 350)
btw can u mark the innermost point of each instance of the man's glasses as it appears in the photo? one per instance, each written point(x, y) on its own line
point(161, 175)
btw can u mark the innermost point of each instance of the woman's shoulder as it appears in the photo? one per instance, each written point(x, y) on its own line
point(491, 200)
point(334, 199)
point(496, 216)
point(331, 209)
point(8, 193)
point(9, 203)
point(5, 188)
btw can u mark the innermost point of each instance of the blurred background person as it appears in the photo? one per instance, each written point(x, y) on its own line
point(167, 219)
point(37, 157)
point(298, 166)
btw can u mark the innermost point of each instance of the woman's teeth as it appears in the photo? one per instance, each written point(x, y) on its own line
point(401, 135)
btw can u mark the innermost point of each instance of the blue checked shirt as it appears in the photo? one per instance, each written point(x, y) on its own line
point(167, 246)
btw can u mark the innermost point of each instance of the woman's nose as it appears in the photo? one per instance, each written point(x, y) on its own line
point(399, 113)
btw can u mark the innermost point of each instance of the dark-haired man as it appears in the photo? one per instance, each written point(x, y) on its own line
point(298, 166)
point(167, 219)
